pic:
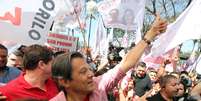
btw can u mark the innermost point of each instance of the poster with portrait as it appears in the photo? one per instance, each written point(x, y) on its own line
point(124, 14)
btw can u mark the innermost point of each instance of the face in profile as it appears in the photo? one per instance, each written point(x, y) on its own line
point(171, 88)
point(180, 90)
point(82, 76)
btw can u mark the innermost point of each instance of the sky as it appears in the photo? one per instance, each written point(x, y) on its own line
point(188, 46)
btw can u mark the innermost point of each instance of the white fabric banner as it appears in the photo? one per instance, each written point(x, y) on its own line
point(124, 14)
point(61, 42)
point(101, 44)
point(69, 19)
point(197, 65)
point(27, 22)
point(186, 27)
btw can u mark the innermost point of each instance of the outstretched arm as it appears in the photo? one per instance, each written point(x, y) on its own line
point(135, 53)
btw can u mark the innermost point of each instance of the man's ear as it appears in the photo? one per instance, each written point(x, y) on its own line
point(64, 83)
point(41, 64)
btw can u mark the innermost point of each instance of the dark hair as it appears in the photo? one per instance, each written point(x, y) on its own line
point(165, 80)
point(58, 53)
point(21, 48)
point(185, 87)
point(34, 54)
point(62, 68)
point(132, 45)
point(184, 72)
point(142, 64)
point(3, 47)
point(18, 53)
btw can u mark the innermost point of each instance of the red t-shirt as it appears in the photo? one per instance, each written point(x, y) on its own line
point(20, 89)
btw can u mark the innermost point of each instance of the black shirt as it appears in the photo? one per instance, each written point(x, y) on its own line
point(142, 85)
point(158, 97)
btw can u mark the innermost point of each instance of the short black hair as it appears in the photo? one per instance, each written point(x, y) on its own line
point(142, 64)
point(3, 47)
point(62, 67)
point(58, 53)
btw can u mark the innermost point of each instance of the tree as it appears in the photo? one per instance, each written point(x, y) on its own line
point(168, 9)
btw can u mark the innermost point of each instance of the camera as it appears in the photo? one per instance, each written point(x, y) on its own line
point(186, 81)
point(114, 53)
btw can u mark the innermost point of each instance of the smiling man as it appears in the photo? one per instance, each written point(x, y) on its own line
point(6, 73)
point(74, 75)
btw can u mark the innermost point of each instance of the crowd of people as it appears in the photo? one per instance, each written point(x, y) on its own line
point(36, 73)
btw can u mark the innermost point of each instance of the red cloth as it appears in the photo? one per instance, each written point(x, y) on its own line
point(87, 98)
point(20, 89)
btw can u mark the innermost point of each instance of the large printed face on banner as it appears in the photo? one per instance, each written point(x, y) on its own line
point(122, 13)
point(114, 16)
point(128, 17)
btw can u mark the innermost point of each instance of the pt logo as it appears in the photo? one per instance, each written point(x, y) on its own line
point(16, 19)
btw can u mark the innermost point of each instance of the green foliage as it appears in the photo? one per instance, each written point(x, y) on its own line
point(118, 32)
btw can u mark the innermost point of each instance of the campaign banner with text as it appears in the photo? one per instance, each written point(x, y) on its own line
point(27, 21)
point(61, 42)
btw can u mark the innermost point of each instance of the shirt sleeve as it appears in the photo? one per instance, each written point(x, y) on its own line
point(110, 79)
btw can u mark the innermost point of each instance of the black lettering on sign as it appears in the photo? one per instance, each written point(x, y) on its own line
point(48, 5)
point(40, 19)
point(36, 24)
point(43, 14)
point(34, 34)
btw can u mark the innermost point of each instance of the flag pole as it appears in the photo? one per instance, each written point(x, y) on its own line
point(82, 30)
point(89, 30)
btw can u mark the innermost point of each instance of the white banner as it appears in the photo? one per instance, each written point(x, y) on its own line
point(124, 14)
point(27, 21)
point(186, 27)
point(101, 43)
point(69, 18)
point(197, 65)
point(61, 42)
